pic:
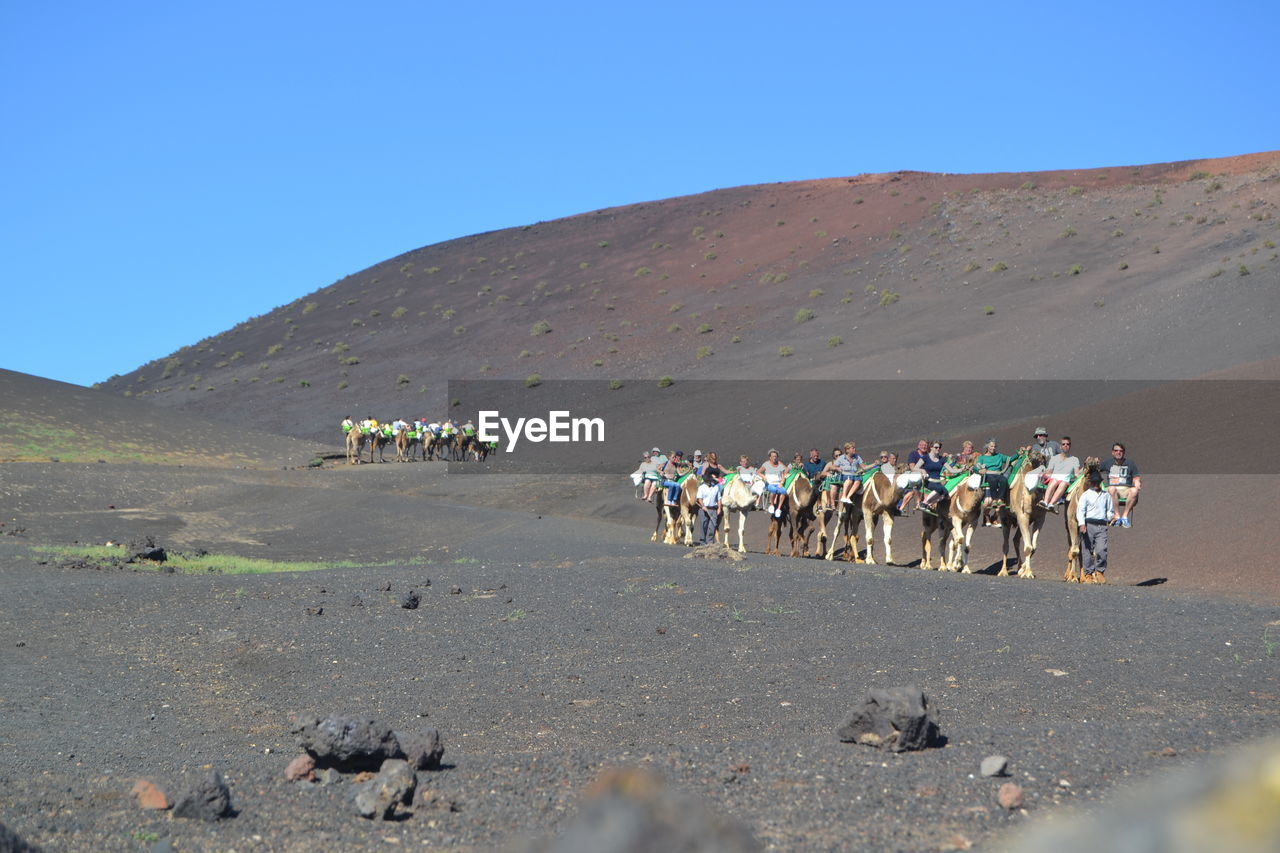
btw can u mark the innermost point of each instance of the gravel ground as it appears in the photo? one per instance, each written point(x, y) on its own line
point(570, 646)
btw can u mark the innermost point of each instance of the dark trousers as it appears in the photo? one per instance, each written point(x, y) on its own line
point(997, 486)
point(1093, 547)
point(708, 521)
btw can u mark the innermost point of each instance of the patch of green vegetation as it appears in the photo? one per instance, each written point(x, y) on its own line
point(399, 311)
point(999, 266)
point(785, 352)
point(835, 341)
point(702, 353)
point(615, 384)
point(804, 315)
point(703, 329)
point(888, 297)
point(666, 382)
point(542, 327)
point(274, 348)
point(988, 310)
point(533, 380)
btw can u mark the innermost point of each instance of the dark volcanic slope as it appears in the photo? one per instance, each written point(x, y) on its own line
point(1161, 271)
point(42, 419)
point(571, 647)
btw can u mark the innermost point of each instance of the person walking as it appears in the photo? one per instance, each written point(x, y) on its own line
point(1094, 512)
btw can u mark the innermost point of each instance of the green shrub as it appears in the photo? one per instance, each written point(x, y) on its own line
point(702, 352)
point(274, 348)
point(309, 307)
point(399, 312)
point(402, 379)
point(888, 297)
point(666, 382)
point(1076, 269)
point(969, 267)
point(988, 310)
point(785, 352)
point(1068, 231)
point(704, 328)
point(735, 339)
point(1243, 270)
point(673, 328)
point(1000, 266)
point(302, 383)
point(533, 380)
point(541, 327)
point(835, 341)
point(641, 271)
point(816, 292)
point(599, 362)
point(603, 244)
point(615, 384)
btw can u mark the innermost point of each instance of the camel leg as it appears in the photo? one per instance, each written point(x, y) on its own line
point(968, 543)
point(835, 534)
point(1030, 541)
point(1005, 532)
point(869, 528)
point(887, 526)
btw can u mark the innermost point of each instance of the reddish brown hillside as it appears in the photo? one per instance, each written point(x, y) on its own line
point(1159, 271)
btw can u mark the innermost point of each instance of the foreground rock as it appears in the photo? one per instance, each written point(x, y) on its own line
point(630, 811)
point(149, 796)
point(379, 797)
point(10, 842)
point(346, 743)
point(715, 552)
point(894, 718)
point(423, 750)
point(207, 799)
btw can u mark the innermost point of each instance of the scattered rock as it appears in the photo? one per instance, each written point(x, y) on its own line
point(995, 765)
point(1168, 752)
point(1010, 796)
point(146, 549)
point(437, 802)
point(208, 799)
point(715, 552)
point(301, 769)
point(346, 743)
point(423, 750)
point(633, 810)
point(329, 776)
point(149, 796)
point(455, 590)
point(356, 601)
point(893, 718)
point(378, 798)
point(410, 600)
point(315, 611)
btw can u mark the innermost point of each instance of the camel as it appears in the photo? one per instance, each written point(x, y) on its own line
point(846, 516)
point(378, 441)
point(355, 443)
point(680, 516)
point(1023, 518)
point(1075, 568)
point(797, 513)
point(963, 512)
point(736, 499)
point(929, 525)
point(880, 497)
point(404, 440)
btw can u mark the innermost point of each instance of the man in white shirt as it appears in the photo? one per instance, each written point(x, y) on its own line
point(1094, 512)
point(708, 509)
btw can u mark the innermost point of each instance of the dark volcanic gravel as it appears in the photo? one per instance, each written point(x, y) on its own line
point(576, 646)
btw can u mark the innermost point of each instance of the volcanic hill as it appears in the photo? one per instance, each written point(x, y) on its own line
point(1150, 272)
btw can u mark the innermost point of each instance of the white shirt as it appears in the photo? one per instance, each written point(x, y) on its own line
point(709, 495)
point(1094, 504)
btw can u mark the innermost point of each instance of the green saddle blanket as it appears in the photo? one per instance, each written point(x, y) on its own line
point(951, 484)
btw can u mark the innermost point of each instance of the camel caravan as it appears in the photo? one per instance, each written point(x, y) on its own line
point(417, 440)
point(699, 501)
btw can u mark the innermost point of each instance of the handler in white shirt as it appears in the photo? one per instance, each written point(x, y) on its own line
point(708, 509)
point(1093, 515)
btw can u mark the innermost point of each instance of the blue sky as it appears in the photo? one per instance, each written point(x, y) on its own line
point(170, 169)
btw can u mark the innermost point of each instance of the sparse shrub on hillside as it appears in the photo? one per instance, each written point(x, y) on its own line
point(999, 266)
point(816, 292)
point(350, 361)
point(1213, 187)
point(666, 382)
point(599, 362)
point(835, 341)
point(402, 380)
point(524, 353)
point(251, 379)
point(339, 348)
point(1124, 265)
point(971, 267)
point(303, 383)
point(459, 330)
point(236, 356)
point(274, 348)
point(1198, 176)
point(1219, 271)
point(356, 322)
point(675, 308)
point(736, 339)
point(702, 353)
point(888, 297)
point(308, 308)
point(1073, 190)
point(703, 328)
point(697, 231)
point(533, 380)
point(1068, 231)
point(399, 312)
point(615, 384)
point(643, 271)
point(1243, 270)
point(674, 327)
point(780, 222)
point(858, 200)
point(786, 352)
point(603, 244)
point(352, 301)
point(542, 327)
point(988, 310)
point(709, 256)
point(341, 385)
point(1076, 269)
point(500, 298)
point(1155, 250)
point(819, 233)
point(804, 315)
point(405, 267)
point(1117, 233)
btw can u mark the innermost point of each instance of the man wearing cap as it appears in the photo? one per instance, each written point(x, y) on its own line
point(1049, 448)
point(698, 463)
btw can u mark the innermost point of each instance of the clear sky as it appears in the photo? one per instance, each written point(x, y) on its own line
point(170, 169)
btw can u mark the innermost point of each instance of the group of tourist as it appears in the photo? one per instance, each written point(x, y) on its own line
point(839, 479)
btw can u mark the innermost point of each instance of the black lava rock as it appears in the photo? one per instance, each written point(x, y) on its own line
point(208, 799)
point(410, 600)
point(893, 718)
point(423, 750)
point(346, 743)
